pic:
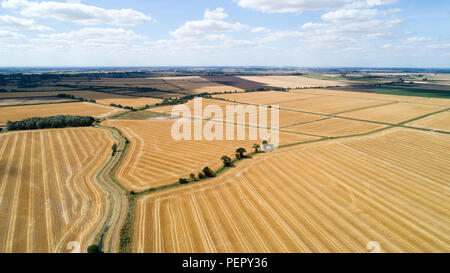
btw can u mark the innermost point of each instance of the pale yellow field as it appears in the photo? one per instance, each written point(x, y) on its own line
point(286, 118)
point(317, 103)
point(389, 189)
point(190, 104)
point(293, 81)
point(394, 113)
point(329, 105)
point(439, 121)
point(334, 127)
point(48, 192)
point(266, 97)
point(155, 158)
point(15, 113)
point(373, 96)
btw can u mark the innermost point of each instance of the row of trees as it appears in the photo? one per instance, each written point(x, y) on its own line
point(227, 162)
point(183, 99)
point(124, 107)
point(59, 121)
point(206, 173)
point(70, 96)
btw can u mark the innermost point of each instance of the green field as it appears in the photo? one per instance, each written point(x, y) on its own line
point(429, 93)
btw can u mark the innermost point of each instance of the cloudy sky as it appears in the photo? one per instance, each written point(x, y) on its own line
point(379, 33)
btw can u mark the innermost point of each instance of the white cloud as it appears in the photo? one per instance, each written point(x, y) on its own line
point(350, 15)
point(217, 14)
point(212, 23)
point(286, 6)
point(20, 24)
point(90, 37)
point(416, 39)
point(260, 30)
point(77, 13)
point(7, 35)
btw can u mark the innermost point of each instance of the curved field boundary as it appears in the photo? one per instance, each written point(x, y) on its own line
point(53, 197)
point(118, 202)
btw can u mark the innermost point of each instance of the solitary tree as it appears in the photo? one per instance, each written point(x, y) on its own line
point(241, 152)
point(93, 249)
point(114, 149)
point(256, 147)
point(193, 177)
point(226, 160)
point(183, 181)
point(208, 172)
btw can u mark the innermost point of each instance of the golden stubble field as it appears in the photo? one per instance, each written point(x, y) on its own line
point(390, 188)
point(49, 196)
point(15, 113)
point(154, 158)
point(293, 81)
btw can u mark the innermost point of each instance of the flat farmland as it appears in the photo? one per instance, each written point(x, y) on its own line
point(335, 196)
point(238, 82)
point(133, 82)
point(373, 96)
point(190, 105)
point(78, 94)
point(329, 105)
point(48, 192)
point(154, 158)
point(266, 97)
point(439, 121)
point(286, 118)
point(394, 113)
point(335, 127)
point(324, 104)
point(15, 113)
point(31, 101)
point(292, 81)
point(196, 85)
point(130, 101)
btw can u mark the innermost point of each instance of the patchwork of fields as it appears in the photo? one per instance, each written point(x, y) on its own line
point(352, 168)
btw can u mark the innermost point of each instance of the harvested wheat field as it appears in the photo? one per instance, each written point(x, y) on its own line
point(394, 113)
point(439, 121)
point(329, 105)
point(293, 81)
point(373, 96)
point(15, 113)
point(266, 97)
point(205, 102)
point(336, 196)
point(154, 158)
point(49, 196)
point(335, 127)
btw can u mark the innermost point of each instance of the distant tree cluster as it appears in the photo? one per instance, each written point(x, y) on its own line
point(59, 121)
point(183, 99)
point(123, 107)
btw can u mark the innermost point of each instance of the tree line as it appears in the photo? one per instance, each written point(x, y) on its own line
point(60, 121)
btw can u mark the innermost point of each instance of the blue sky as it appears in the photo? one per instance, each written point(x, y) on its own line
point(379, 33)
